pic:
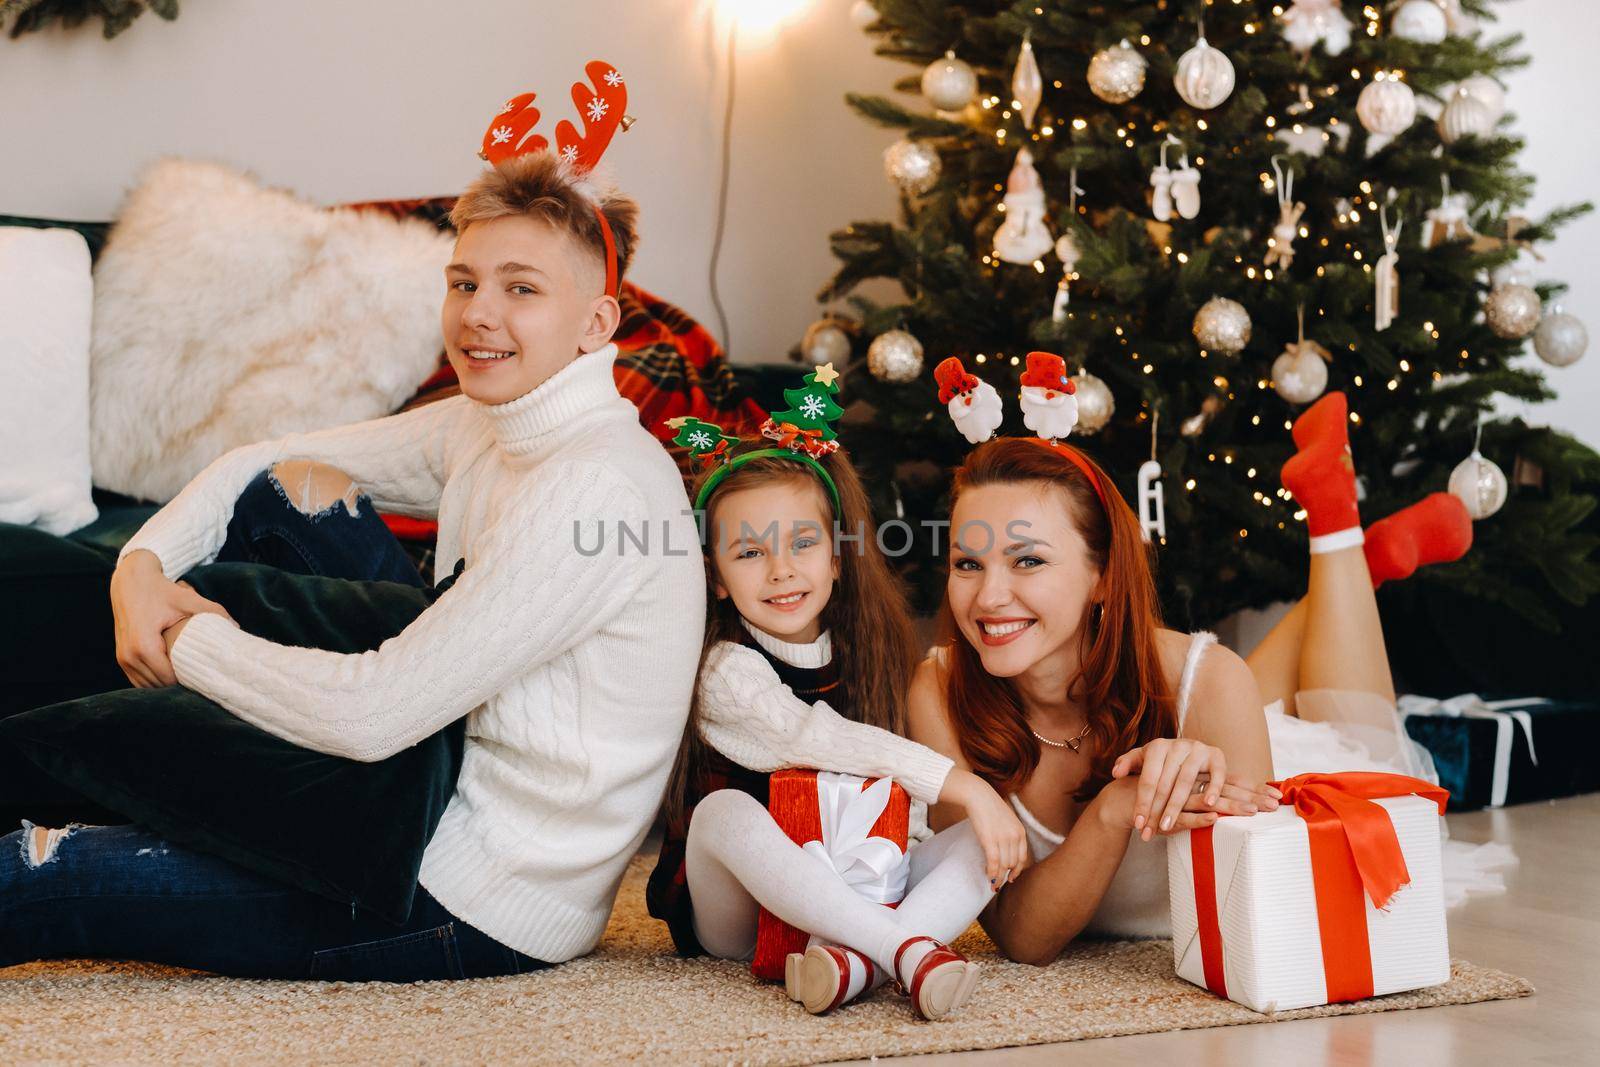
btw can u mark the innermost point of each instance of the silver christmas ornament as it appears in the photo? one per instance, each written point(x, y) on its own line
point(949, 83)
point(1422, 21)
point(1027, 84)
point(825, 342)
point(1204, 76)
point(912, 165)
point(1300, 374)
point(1116, 74)
point(1387, 105)
point(1222, 325)
point(1465, 116)
point(1095, 402)
point(1512, 311)
point(1480, 484)
point(1485, 90)
point(1561, 338)
point(895, 356)
point(863, 14)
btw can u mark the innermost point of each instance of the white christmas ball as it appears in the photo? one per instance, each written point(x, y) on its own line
point(825, 342)
point(863, 14)
point(1299, 375)
point(1204, 77)
point(895, 356)
point(1222, 325)
point(1480, 484)
point(1512, 273)
point(1422, 21)
point(1561, 338)
point(1512, 311)
point(913, 166)
point(1465, 116)
point(1116, 74)
point(1485, 90)
point(1067, 251)
point(1386, 106)
point(1095, 402)
point(949, 83)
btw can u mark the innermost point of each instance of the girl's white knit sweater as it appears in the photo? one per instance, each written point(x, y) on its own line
point(570, 649)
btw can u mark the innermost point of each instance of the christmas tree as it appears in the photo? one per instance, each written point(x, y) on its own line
point(1314, 196)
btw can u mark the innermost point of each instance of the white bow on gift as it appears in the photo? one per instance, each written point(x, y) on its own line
point(1472, 706)
point(874, 867)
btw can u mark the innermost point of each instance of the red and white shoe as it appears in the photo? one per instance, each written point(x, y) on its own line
point(826, 976)
point(942, 982)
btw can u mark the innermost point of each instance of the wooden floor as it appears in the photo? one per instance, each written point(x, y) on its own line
point(1545, 927)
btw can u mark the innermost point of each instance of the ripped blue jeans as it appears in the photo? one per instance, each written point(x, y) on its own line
point(123, 892)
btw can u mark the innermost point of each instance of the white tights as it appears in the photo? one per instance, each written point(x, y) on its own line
point(739, 859)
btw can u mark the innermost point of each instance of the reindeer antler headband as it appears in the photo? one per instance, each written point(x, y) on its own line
point(1049, 407)
point(603, 109)
point(804, 434)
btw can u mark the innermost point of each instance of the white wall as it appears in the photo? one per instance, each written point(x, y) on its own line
point(366, 99)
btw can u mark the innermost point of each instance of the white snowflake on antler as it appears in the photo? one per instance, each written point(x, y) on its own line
point(500, 134)
point(613, 78)
point(700, 439)
point(812, 407)
point(511, 105)
point(569, 153)
point(598, 109)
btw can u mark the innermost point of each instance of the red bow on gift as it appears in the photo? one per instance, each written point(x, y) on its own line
point(1354, 855)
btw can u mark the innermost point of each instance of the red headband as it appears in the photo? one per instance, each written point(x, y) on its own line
point(1079, 460)
point(603, 110)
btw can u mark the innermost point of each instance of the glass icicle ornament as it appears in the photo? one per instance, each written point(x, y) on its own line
point(1023, 237)
point(1027, 83)
point(1116, 74)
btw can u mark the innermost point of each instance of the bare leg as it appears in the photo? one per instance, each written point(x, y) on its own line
point(1276, 660)
point(1343, 645)
point(314, 487)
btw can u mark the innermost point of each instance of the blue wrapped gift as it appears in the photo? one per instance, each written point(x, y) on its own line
point(1490, 753)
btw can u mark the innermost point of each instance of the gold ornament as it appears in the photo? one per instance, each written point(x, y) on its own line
point(895, 356)
point(912, 165)
point(1222, 325)
point(1116, 74)
point(1512, 311)
point(1095, 402)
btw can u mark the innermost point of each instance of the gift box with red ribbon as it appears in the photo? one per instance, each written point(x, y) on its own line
point(858, 827)
point(1335, 896)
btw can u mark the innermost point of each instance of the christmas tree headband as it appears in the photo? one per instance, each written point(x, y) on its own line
point(804, 434)
point(1048, 400)
point(603, 110)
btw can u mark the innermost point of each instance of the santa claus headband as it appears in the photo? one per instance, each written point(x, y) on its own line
point(603, 109)
point(1048, 400)
point(804, 434)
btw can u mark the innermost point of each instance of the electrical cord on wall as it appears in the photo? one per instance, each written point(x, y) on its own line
point(722, 189)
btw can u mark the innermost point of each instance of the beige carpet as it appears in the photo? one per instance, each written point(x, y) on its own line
point(630, 1000)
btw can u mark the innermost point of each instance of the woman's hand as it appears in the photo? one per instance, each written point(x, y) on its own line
point(1167, 773)
point(145, 605)
point(1000, 832)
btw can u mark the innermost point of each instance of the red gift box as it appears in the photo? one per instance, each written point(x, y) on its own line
point(797, 802)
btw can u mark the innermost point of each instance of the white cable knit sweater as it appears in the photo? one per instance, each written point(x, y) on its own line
point(750, 716)
point(573, 667)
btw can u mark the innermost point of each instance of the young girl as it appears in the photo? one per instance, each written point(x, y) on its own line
point(808, 652)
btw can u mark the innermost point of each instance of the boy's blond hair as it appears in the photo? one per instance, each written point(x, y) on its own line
point(541, 186)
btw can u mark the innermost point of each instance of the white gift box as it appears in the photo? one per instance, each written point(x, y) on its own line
point(1266, 924)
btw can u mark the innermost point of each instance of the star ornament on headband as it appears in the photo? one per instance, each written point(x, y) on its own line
point(602, 105)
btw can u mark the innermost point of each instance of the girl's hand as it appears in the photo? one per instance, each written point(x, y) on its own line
point(1115, 807)
point(1170, 784)
point(145, 605)
point(1000, 832)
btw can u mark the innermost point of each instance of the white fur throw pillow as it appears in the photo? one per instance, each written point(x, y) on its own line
point(226, 313)
point(46, 298)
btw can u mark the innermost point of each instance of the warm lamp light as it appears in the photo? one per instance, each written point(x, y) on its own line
point(762, 16)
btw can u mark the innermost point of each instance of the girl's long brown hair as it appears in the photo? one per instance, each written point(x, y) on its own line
point(867, 615)
point(1120, 681)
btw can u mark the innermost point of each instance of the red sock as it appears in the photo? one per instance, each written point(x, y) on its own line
point(1436, 529)
point(1321, 476)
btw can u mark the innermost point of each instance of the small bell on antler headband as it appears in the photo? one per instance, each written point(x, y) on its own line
point(602, 107)
point(804, 435)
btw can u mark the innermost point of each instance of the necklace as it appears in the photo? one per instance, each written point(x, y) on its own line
point(1072, 743)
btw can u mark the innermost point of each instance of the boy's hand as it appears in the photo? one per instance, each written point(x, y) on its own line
point(145, 604)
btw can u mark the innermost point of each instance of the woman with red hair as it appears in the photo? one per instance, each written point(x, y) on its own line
point(1058, 684)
